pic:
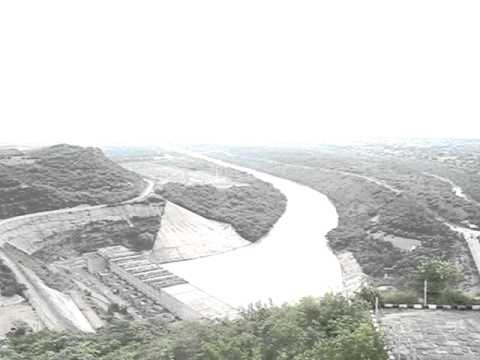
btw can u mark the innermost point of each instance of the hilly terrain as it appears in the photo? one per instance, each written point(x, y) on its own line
point(397, 203)
point(249, 205)
point(61, 176)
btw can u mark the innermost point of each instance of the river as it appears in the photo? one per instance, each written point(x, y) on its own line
point(291, 262)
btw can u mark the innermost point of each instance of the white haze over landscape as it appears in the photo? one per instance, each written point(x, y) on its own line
point(247, 72)
point(254, 72)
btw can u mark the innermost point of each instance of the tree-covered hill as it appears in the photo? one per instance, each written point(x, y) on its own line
point(251, 210)
point(61, 176)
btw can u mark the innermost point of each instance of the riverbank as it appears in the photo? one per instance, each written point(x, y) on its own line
point(292, 261)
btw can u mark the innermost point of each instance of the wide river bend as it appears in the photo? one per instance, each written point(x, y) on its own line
point(291, 262)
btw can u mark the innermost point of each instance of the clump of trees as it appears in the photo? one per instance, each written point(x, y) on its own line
point(8, 282)
point(436, 275)
point(439, 274)
point(330, 328)
point(251, 210)
point(442, 279)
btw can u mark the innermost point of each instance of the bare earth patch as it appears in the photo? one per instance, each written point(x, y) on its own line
point(400, 242)
point(163, 173)
point(10, 314)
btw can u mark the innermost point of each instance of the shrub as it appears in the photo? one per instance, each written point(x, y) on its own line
point(439, 273)
point(455, 297)
point(400, 297)
point(368, 294)
point(332, 328)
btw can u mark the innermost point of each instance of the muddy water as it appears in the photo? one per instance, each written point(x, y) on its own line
point(291, 262)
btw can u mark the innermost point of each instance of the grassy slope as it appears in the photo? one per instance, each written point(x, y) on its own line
point(62, 176)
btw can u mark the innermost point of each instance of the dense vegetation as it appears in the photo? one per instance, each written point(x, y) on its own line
point(61, 176)
point(251, 210)
point(8, 282)
point(331, 328)
point(441, 279)
point(381, 190)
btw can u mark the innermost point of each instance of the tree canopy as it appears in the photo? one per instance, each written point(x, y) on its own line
point(439, 273)
point(330, 328)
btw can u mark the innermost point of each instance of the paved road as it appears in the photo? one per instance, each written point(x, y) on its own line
point(432, 334)
point(147, 191)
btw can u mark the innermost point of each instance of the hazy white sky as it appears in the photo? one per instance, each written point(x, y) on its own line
point(97, 72)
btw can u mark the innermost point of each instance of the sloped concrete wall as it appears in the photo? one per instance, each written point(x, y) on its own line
point(169, 302)
point(28, 233)
point(353, 276)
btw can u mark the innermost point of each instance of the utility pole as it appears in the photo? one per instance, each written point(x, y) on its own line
point(425, 286)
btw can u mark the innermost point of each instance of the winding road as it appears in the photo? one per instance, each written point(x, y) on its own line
point(291, 262)
point(147, 191)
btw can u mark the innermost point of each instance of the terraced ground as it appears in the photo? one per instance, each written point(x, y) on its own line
point(165, 169)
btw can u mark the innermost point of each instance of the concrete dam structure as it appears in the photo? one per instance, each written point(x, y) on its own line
point(164, 287)
point(31, 233)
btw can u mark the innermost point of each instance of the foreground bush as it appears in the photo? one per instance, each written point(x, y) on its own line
point(316, 329)
point(400, 297)
point(454, 297)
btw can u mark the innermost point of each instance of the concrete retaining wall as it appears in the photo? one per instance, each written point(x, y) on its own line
point(352, 275)
point(28, 233)
point(169, 302)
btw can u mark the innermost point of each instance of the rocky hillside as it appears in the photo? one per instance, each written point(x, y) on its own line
point(61, 176)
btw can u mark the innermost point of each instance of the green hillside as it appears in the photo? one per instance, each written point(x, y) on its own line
point(61, 176)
